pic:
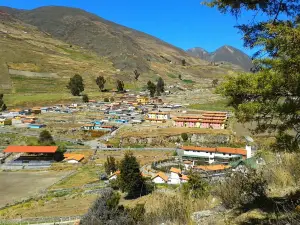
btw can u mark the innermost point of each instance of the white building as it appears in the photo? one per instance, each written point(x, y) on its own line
point(159, 115)
point(114, 175)
point(212, 153)
point(160, 178)
point(175, 176)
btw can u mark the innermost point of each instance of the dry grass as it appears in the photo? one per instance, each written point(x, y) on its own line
point(153, 131)
point(143, 156)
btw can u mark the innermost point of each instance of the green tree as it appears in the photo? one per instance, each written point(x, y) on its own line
point(131, 180)
point(179, 77)
point(106, 99)
point(111, 99)
point(120, 86)
point(196, 186)
point(151, 88)
point(110, 165)
point(59, 154)
point(100, 81)
point(85, 98)
point(2, 104)
point(184, 136)
point(270, 96)
point(76, 85)
point(136, 75)
point(183, 62)
point(46, 138)
point(160, 86)
point(215, 82)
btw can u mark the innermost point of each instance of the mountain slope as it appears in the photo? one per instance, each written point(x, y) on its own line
point(126, 48)
point(224, 54)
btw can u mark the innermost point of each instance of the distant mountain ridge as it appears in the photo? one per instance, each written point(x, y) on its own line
point(225, 53)
point(127, 48)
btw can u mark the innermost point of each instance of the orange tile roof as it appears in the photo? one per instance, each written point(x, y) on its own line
point(162, 176)
point(70, 156)
point(175, 170)
point(118, 172)
point(212, 167)
point(184, 177)
point(188, 117)
point(187, 120)
point(237, 151)
point(213, 121)
point(31, 149)
point(200, 149)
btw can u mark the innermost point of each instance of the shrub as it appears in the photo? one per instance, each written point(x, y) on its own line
point(106, 100)
point(184, 136)
point(241, 189)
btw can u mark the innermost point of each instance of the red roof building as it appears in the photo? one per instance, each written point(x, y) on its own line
point(31, 149)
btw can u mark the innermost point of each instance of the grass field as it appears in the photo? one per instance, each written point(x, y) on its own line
point(220, 105)
point(19, 185)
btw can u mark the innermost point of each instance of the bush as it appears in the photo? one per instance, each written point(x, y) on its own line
point(184, 136)
point(85, 98)
point(106, 100)
point(106, 210)
point(241, 189)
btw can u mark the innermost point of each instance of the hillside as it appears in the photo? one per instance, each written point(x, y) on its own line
point(126, 48)
point(224, 54)
point(33, 49)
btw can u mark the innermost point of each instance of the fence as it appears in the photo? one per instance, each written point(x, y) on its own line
point(40, 220)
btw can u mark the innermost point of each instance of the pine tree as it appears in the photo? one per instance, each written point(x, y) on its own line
point(120, 86)
point(100, 81)
point(46, 138)
point(131, 180)
point(269, 97)
point(151, 88)
point(85, 98)
point(160, 86)
point(136, 75)
point(110, 165)
point(2, 104)
point(76, 85)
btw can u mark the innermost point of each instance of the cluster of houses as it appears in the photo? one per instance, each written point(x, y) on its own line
point(175, 177)
point(207, 120)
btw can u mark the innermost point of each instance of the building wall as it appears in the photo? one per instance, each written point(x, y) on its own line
point(158, 180)
point(174, 178)
point(210, 154)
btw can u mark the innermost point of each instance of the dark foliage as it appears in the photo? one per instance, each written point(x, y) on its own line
point(183, 62)
point(179, 77)
point(85, 98)
point(136, 75)
point(215, 82)
point(110, 165)
point(131, 180)
point(76, 85)
point(107, 211)
point(100, 81)
point(184, 136)
point(151, 88)
point(2, 104)
point(160, 86)
point(196, 186)
point(46, 138)
point(106, 99)
point(120, 86)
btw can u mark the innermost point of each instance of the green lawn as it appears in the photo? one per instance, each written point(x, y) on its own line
point(212, 106)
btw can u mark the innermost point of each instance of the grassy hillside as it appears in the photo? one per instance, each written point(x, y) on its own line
point(25, 47)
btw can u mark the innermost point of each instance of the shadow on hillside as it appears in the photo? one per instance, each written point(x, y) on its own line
point(283, 210)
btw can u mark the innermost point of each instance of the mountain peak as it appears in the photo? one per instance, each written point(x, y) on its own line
point(225, 53)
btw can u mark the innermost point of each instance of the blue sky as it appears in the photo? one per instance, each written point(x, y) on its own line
point(183, 23)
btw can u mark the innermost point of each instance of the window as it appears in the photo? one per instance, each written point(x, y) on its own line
point(211, 153)
point(223, 153)
point(229, 154)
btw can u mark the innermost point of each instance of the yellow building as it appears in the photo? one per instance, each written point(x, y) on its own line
point(142, 100)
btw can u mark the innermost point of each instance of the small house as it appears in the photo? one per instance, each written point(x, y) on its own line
point(121, 121)
point(88, 127)
point(151, 120)
point(175, 176)
point(143, 100)
point(73, 158)
point(160, 178)
point(159, 115)
point(184, 178)
point(36, 110)
point(213, 124)
point(114, 175)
